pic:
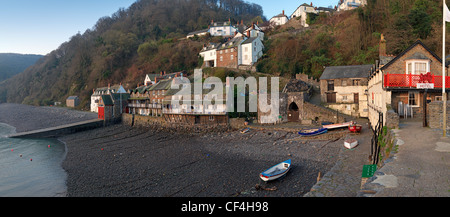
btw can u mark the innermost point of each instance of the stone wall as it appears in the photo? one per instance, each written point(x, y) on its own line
point(160, 123)
point(392, 119)
point(321, 114)
point(435, 114)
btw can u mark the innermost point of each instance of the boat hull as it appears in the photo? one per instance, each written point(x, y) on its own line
point(355, 128)
point(350, 143)
point(276, 171)
point(335, 126)
point(313, 132)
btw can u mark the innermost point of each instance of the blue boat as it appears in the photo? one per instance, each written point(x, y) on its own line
point(312, 132)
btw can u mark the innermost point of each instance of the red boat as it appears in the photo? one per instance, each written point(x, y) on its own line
point(355, 128)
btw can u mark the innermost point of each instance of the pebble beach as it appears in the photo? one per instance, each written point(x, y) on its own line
point(124, 161)
point(142, 162)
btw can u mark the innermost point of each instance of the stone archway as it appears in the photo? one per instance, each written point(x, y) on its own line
point(293, 112)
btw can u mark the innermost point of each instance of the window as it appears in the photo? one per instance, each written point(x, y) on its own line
point(246, 57)
point(221, 58)
point(356, 82)
point(211, 118)
point(331, 85)
point(246, 49)
point(421, 68)
point(417, 67)
point(344, 98)
point(413, 99)
point(232, 57)
point(344, 83)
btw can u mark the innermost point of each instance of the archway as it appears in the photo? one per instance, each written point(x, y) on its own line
point(293, 113)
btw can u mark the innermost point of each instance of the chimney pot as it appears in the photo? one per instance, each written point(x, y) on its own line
point(283, 12)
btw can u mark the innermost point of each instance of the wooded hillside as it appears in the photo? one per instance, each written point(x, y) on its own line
point(122, 48)
point(145, 38)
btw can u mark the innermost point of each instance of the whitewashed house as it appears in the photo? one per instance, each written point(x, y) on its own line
point(224, 29)
point(250, 51)
point(345, 5)
point(302, 13)
point(99, 92)
point(279, 19)
point(209, 55)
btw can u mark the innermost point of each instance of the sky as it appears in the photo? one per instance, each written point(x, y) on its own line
point(40, 26)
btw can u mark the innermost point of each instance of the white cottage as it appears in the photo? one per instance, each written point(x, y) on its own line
point(345, 5)
point(250, 51)
point(209, 55)
point(224, 29)
point(99, 92)
point(302, 13)
point(279, 20)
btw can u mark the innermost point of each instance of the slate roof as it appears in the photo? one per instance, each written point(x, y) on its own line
point(408, 49)
point(355, 71)
point(72, 97)
point(249, 40)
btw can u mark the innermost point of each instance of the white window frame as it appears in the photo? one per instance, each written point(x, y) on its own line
point(416, 98)
point(412, 70)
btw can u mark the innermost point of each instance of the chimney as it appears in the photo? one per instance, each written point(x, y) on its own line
point(161, 73)
point(382, 46)
point(242, 22)
point(93, 91)
point(109, 85)
point(283, 12)
point(311, 4)
point(248, 33)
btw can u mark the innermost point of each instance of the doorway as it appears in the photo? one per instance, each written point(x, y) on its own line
point(293, 112)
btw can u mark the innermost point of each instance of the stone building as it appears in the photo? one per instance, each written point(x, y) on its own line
point(343, 88)
point(396, 84)
point(72, 101)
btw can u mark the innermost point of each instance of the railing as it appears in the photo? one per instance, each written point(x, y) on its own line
point(411, 81)
point(192, 112)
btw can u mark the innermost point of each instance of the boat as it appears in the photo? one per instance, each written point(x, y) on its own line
point(350, 143)
point(276, 171)
point(312, 132)
point(245, 130)
point(355, 128)
point(339, 125)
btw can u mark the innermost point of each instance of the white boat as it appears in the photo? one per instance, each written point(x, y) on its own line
point(340, 125)
point(276, 171)
point(350, 143)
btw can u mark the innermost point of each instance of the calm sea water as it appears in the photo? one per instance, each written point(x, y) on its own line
point(31, 167)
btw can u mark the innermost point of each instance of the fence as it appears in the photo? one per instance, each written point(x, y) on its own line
point(411, 81)
point(375, 146)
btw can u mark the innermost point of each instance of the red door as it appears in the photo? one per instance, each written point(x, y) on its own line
point(101, 113)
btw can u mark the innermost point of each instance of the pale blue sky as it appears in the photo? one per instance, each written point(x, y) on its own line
point(40, 26)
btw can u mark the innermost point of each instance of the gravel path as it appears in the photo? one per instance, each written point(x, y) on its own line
point(123, 161)
point(27, 118)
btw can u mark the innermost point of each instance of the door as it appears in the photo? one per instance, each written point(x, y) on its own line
point(356, 97)
point(293, 112)
point(331, 97)
point(101, 113)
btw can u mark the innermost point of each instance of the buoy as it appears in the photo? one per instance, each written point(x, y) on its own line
point(48, 146)
point(102, 149)
point(12, 149)
point(20, 155)
point(31, 159)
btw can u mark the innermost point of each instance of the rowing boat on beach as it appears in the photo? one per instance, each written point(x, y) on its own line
point(276, 171)
point(312, 132)
point(339, 125)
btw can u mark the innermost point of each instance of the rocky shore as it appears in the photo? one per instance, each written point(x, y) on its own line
point(123, 161)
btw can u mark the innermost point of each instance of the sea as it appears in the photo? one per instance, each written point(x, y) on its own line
point(31, 167)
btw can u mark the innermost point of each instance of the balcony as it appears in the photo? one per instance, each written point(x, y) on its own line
point(411, 81)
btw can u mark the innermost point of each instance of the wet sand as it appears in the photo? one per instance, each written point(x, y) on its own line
point(123, 161)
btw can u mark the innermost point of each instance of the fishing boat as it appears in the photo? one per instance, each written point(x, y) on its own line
point(276, 171)
point(339, 125)
point(350, 143)
point(245, 130)
point(355, 128)
point(312, 132)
